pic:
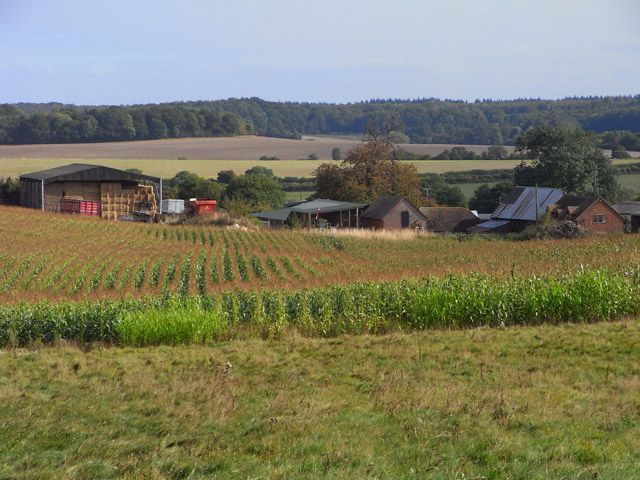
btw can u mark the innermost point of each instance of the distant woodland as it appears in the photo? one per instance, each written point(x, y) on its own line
point(486, 122)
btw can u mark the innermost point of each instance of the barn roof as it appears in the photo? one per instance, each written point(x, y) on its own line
point(322, 205)
point(520, 203)
point(379, 209)
point(280, 215)
point(449, 219)
point(575, 204)
point(628, 208)
point(84, 172)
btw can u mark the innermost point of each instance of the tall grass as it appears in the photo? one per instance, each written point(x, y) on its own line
point(453, 302)
point(174, 325)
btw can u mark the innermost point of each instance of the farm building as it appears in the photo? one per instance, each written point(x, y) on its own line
point(522, 207)
point(449, 219)
point(630, 210)
point(593, 214)
point(90, 190)
point(319, 213)
point(392, 213)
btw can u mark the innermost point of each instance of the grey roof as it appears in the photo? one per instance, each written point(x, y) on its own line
point(628, 208)
point(490, 225)
point(280, 215)
point(322, 205)
point(449, 219)
point(380, 207)
point(86, 172)
point(520, 203)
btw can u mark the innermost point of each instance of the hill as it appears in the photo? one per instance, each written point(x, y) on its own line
point(483, 122)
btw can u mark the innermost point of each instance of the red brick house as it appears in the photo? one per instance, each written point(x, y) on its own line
point(392, 213)
point(594, 214)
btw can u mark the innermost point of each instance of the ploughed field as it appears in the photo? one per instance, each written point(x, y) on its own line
point(46, 256)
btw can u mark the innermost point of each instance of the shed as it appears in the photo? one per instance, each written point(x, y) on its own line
point(449, 219)
point(273, 218)
point(594, 214)
point(327, 212)
point(392, 213)
point(116, 191)
point(631, 210)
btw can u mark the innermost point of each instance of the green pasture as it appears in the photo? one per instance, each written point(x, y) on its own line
point(522, 402)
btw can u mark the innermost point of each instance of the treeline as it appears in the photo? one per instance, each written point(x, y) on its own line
point(111, 124)
point(485, 122)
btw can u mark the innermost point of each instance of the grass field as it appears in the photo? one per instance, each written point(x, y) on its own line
point(527, 402)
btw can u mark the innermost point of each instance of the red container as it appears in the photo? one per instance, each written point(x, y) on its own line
point(204, 206)
point(80, 207)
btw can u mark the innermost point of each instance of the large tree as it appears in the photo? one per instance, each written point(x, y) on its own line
point(252, 193)
point(367, 172)
point(567, 158)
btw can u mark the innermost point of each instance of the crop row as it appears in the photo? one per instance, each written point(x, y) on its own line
point(453, 302)
point(192, 273)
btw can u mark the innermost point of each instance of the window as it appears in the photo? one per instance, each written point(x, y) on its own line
point(600, 218)
point(404, 219)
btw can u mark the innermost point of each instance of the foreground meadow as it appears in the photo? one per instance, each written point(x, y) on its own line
point(522, 402)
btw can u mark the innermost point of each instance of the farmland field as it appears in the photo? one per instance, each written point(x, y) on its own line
point(216, 148)
point(13, 167)
point(96, 258)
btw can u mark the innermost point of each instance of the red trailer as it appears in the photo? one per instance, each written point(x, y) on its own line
point(80, 207)
point(201, 206)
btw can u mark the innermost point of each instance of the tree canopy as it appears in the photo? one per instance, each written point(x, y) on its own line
point(252, 193)
point(486, 198)
point(186, 185)
point(567, 158)
point(367, 172)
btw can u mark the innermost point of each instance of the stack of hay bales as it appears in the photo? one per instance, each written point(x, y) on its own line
point(118, 201)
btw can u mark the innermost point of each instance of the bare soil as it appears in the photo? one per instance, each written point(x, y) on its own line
point(210, 148)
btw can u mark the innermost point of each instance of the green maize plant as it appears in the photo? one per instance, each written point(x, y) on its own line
point(112, 276)
point(124, 279)
point(257, 267)
point(227, 268)
point(273, 266)
point(243, 271)
point(185, 273)
point(154, 275)
point(171, 269)
point(213, 270)
point(17, 274)
point(201, 277)
point(94, 281)
point(138, 279)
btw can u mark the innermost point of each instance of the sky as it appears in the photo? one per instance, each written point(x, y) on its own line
point(147, 51)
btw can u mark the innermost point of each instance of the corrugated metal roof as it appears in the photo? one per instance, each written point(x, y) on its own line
point(628, 208)
point(449, 219)
point(84, 172)
point(325, 206)
point(491, 224)
point(280, 215)
point(521, 203)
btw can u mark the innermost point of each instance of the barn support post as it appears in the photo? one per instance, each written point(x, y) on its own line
point(160, 195)
point(357, 218)
point(42, 193)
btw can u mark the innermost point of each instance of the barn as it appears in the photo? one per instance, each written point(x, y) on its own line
point(391, 213)
point(91, 190)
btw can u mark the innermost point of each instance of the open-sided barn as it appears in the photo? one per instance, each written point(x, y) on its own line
point(103, 191)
